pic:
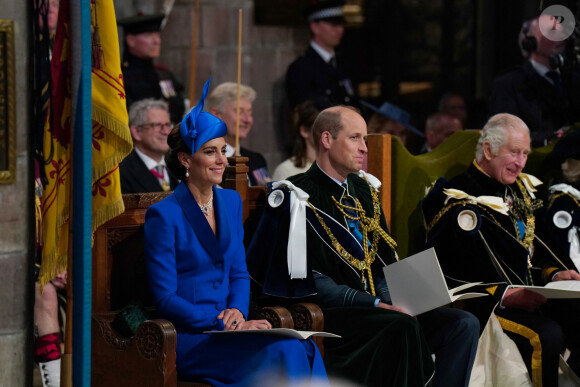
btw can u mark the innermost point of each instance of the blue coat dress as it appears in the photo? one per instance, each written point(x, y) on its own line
point(194, 274)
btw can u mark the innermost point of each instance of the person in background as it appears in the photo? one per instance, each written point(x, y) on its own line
point(484, 225)
point(562, 209)
point(454, 104)
point(196, 266)
point(144, 169)
point(438, 127)
point(317, 74)
point(142, 77)
point(391, 119)
point(221, 102)
point(304, 154)
point(48, 329)
point(542, 92)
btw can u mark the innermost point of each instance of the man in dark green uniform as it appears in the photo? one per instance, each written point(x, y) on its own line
point(142, 77)
point(483, 225)
point(347, 245)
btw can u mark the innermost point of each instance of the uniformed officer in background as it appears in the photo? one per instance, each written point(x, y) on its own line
point(142, 77)
point(317, 75)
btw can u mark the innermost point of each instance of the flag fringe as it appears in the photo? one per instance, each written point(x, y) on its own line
point(108, 212)
point(124, 144)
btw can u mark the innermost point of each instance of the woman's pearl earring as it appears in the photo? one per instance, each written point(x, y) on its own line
point(186, 172)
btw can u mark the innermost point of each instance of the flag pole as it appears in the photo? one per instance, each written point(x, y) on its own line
point(193, 57)
point(82, 196)
point(239, 82)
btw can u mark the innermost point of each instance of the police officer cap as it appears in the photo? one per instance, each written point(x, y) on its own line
point(140, 23)
point(325, 10)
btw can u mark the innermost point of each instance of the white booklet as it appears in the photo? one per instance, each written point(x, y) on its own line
point(556, 289)
point(417, 284)
point(285, 332)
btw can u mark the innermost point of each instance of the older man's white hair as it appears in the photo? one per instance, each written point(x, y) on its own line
point(495, 132)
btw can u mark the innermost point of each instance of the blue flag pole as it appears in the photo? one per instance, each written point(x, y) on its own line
point(81, 193)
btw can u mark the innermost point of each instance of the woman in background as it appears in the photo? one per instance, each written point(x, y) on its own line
point(304, 154)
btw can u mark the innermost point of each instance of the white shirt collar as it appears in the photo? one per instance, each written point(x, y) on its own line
point(229, 150)
point(149, 162)
point(326, 56)
point(336, 180)
point(541, 70)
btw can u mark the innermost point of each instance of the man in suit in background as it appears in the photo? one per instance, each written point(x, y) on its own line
point(144, 170)
point(316, 75)
point(543, 92)
point(221, 102)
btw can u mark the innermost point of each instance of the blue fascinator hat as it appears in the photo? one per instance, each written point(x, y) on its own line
point(395, 113)
point(199, 127)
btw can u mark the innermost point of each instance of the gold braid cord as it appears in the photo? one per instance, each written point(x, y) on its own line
point(367, 225)
point(444, 210)
point(524, 210)
point(556, 196)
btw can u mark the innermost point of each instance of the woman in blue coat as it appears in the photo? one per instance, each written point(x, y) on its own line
point(197, 271)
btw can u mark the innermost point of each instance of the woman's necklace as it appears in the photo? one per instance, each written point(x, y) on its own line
point(205, 208)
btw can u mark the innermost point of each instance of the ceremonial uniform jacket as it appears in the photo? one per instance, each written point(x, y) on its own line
point(562, 216)
point(365, 352)
point(338, 283)
point(475, 243)
point(136, 178)
point(144, 79)
point(311, 78)
point(526, 94)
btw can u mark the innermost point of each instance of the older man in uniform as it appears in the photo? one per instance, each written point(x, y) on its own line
point(142, 77)
point(484, 227)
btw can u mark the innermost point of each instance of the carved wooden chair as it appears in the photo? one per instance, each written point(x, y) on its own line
point(119, 278)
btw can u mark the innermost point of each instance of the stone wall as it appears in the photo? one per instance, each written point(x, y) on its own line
point(15, 199)
point(266, 53)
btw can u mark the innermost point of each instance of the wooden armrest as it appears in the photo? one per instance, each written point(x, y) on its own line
point(309, 317)
point(148, 358)
point(278, 316)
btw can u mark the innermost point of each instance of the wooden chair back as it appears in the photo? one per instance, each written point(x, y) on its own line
point(406, 178)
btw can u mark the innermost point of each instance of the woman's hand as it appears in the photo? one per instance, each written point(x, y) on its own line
point(253, 324)
point(382, 305)
point(232, 319)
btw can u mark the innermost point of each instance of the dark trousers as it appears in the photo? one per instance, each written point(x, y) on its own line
point(452, 335)
point(543, 335)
